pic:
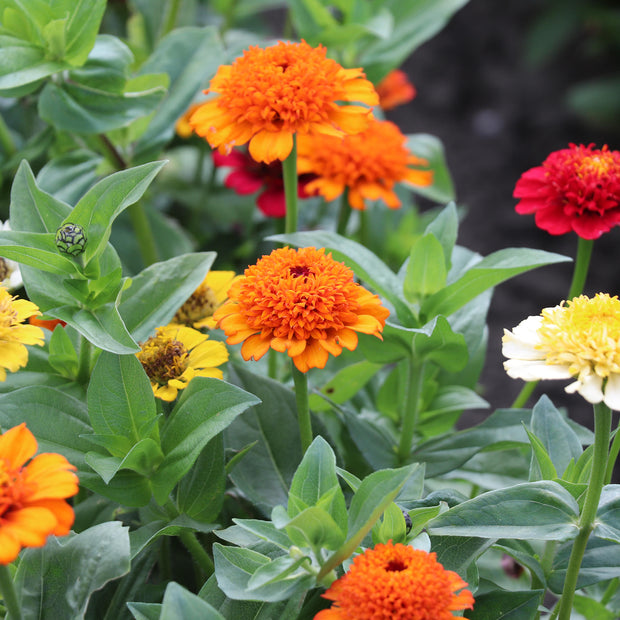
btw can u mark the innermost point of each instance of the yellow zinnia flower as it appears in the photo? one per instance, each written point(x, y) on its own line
point(13, 334)
point(32, 495)
point(197, 311)
point(267, 95)
point(578, 339)
point(177, 354)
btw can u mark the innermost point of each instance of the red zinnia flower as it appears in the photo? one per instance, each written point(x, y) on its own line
point(249, 176)
point(396, 582)
point(575, 189)
point(395, 89)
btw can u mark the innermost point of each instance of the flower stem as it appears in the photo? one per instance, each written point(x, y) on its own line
point(344, 214)
point(7, 589)
point(198, 552)
point(524, 394)
point(582, 262)
point(144, 233)
point(83, 374)
point(303, 409)
point(289, 175)
point(411, 412)
point(602, 430)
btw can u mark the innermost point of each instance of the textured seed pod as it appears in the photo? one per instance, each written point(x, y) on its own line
point(71, 239)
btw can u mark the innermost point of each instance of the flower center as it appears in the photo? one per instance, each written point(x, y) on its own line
point(11, 487)
point(200, 305)
point(396, 566)
point(5, 270)
point(583, 334)
point(8, 314)
point(163, 359)
point(300, 270)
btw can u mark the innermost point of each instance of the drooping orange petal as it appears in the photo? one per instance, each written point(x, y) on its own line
point(268, 146)
point(17, 445)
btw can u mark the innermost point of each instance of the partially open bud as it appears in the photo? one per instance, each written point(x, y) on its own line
point(71, 239)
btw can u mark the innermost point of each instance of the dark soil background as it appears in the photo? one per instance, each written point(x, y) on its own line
point(497, 117)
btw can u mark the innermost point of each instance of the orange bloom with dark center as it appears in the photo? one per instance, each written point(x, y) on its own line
point(267, 95)
point(368, 164)
point(575, 189)
point(302, 302)
point(396, 582)
point(395, 89)
point(32, 496)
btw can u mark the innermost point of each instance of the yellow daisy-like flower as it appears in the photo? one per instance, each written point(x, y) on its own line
point(368, 164)
point(197, 311)
point(13, 334)
point(177, 354)
point(578, 339)
point(267, 95)
point(302, 302)
point(396, 582)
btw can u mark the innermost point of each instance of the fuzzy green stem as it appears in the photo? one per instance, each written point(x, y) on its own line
point(272, 364)
point(144, 233)
point(198, 552)
point(289, 175)
point(524, 394)
point(602, 430)
point(344, 214)
point(582, 262)
point(6, 141)
point(7, 589)
point(112, 154)
point(303, 409)
point(411, 412)
point(613, 455)
point(84, 361)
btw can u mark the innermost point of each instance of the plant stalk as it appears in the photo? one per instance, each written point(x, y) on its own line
point(144, 233)
point(84, 360)
point(411, 412)
point(582, 262)
point(9, 596)
point(602, 430)
point(289, 175)
point(198, 552)
point(303, 409)
point(344, 214)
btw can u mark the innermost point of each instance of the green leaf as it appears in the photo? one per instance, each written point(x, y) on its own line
point(392, 527)
point(445, 228)
point(252, 532)
point(431, 149)
point(189, 56)
point(77, 565)
point(533, 510)
point(100, 206)
point(120, 399)
point(426, 270)
point(607, 523)
point(206, 407)
point(84, 18)
point(366, 265)
point(143, 458)
point(312, 528)
point(127, 487)
point(62, 354)
point(546, 469)
point(279, 580)
point(273, 424)
point(179, 604)
point(373, 437)
point(160, 290)
point(485, 274)
point(55, 418)
point(591, 609)
point(503, 605)
point(345, 384)
point(459, 553)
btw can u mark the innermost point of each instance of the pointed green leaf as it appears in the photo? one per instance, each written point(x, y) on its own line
point(607, 523)
point(543, 461)
point(426, 270)
point(503, 605)
point(62, 354)
point(180, 604)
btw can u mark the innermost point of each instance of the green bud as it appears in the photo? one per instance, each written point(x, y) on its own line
point(71, 239)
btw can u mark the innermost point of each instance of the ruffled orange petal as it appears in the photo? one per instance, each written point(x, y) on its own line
point(255, 347)
point(267, 146)
point(351, 119)
point(17, 445)
point(52, 476)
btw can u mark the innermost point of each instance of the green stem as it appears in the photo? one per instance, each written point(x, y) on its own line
point(344, 214)
point(84, 361)
point(198, 552)
point(613, 455)
point(411, 412)
point(171, 16)
point(112, 153)
point(144, 233)
point(303, 409)
point(582, 262)
point(7, 589)
point(524, 394)
point(602, 430)
point(6, 141)
point(272, 364)
point(289, 175)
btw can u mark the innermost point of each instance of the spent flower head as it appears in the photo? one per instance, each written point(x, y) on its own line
point(177, 354)
point(300, 301)
point(268, 95)
point(575, 189)
point(395, 89)
point(368, 165)
point(10, 275)
point(396, 582)
point(33, 493)
point(579, 339)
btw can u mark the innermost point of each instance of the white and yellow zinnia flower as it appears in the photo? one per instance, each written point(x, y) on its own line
point(177, 354)
point(579, 339)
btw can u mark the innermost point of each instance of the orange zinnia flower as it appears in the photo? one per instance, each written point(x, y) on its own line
point(369, 164)
point(395, 89)
point(302, 302)
point(32, 496)
point(396, 582)
point(267, 95)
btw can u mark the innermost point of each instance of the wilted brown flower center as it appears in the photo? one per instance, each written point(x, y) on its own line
point(200, 305)
point(163, 359)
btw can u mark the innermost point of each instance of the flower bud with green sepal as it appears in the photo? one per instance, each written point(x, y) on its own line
point(71, 239)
